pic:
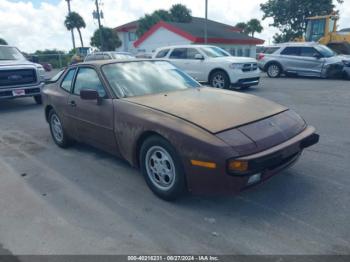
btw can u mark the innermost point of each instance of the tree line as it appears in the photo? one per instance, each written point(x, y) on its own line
point(289, 16)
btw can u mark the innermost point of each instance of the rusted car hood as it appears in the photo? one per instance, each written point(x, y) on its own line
point(211, 109)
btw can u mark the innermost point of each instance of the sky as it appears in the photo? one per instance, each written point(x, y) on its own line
point(38, 24)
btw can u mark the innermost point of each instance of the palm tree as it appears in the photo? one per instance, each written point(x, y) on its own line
point(75, 21)
point(254, 26)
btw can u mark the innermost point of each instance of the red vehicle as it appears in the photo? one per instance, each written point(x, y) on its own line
point(182, 136)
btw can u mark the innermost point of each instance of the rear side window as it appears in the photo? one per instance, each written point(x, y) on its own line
point(67, 81)
point(270, 50)
point(184, 53)
point(179, 53)
point(294, 51)
point(97, 57)
point(89, 58)
point(57, 76)
point(308, 51)
point(162, 53)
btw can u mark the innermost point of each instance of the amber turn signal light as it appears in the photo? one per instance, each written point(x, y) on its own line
point(238, 165)
point(210, 165)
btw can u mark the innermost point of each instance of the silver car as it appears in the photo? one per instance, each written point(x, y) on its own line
point(304, 59)
point(108, 55)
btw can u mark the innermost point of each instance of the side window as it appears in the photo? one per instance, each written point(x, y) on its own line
point(107, 57)
point(87, 78)
point(67, 80)
point(179, 53)
point(270, 50)
point(308, 51)
point(89, 58)
point(293, 51)
point(162, 53)
point(191, 53)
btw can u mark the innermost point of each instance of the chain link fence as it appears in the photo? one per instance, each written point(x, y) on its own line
point(51, 61)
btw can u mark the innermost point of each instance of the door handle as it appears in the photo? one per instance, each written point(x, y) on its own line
point(72, 103)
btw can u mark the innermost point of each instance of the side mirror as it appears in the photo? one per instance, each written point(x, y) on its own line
point(198, 57)
point(89, 94)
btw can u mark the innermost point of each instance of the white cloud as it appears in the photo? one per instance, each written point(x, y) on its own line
point(31, 28)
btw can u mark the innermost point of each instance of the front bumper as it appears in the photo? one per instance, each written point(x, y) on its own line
point(33, 90)
point(246, 82)
point(239, 78)
point(266, 163)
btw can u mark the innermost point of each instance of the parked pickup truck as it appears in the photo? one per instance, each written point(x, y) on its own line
point(18, 76)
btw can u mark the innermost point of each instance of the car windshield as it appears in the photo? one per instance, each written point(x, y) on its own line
point(213, 51)
point(146, 77)
point(10, 53)
point(325, 51)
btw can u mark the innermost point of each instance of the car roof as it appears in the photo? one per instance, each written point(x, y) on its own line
point(99, 63)
point(109, 52)
point(184, 46)
point(297, 44)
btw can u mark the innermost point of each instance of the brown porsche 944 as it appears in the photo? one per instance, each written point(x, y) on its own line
point(182, 136)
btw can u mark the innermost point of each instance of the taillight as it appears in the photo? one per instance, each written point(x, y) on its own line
point(261, 56)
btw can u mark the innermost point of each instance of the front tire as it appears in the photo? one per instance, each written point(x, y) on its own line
point(58, 134)
point(274, 70)
point(220, 79)
point(162, 168)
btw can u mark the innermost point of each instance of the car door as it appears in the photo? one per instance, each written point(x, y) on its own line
point(311, 62)
point(178, 57)
point(93, 119)
point(196, 67)
point(184, 58)
point(289, 59)
point(60, 100)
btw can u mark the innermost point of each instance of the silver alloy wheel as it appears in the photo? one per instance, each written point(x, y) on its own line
point(273, 70)
point(56, 128)
point(218, 81)
point(160, 168)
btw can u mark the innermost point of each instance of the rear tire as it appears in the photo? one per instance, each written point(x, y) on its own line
point(162, 168)
point(219, 79)
point(58, 134)
point(38, 99)
point(274, 70)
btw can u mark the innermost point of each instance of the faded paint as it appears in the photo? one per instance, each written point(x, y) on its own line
point(116, 125)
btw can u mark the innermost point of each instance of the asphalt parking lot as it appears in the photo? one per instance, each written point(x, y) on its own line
point(83, 201)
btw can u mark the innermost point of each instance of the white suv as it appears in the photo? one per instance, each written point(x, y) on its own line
point(213, 65)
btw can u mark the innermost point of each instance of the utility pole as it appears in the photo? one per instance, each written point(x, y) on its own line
point(71, 31)
point(98, 15)
point(206, 23)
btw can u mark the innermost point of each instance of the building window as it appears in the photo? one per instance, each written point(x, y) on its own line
point(132, 36)
point(247, 52)
point(233, 51)
point(239, 52)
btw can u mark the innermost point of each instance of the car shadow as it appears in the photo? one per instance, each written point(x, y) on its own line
point(14, 105)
